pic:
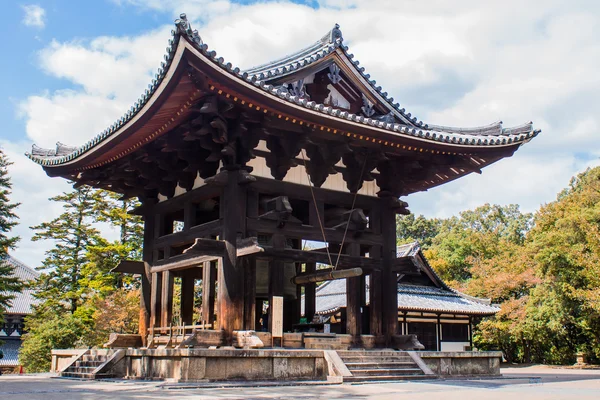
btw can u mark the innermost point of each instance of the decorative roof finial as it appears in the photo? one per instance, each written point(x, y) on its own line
point(333, 36)
point(184, 28)
point(336, 33)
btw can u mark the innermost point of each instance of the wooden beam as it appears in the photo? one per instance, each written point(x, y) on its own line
point(186, 236)
point(308, 232)
point(375, 280)
point(130, 267)
point(296, 255)
point(327, 274)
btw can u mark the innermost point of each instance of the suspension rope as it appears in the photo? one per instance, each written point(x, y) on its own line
point(312, 192)
point(319, 217)
point(351, 212)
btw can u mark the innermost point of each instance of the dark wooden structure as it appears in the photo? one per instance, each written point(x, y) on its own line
point(236, 170)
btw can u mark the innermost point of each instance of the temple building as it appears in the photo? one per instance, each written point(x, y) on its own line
point(441, 317)
point(237, 170)
point(12, 329)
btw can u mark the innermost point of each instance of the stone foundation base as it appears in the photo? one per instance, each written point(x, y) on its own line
point(462, 363)
point(199, 364)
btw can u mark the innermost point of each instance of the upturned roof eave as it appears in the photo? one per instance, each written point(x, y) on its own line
point(457, 142)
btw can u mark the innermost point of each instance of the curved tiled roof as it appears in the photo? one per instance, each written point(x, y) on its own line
point(451, 136)
point(331, 296)
point(22, 301)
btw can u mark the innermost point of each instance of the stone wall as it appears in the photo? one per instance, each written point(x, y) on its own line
point(462, 363)
point(61, 359)
point(201, 364)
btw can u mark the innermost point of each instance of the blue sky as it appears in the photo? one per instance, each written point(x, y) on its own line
point(72, 67)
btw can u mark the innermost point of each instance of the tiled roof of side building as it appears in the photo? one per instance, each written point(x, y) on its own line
point(495, 136)
point(23, 301)
point(331, 296)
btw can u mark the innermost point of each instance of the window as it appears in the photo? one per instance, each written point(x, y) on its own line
point(455, 332)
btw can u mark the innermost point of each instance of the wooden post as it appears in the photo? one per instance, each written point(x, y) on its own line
point(250, 266)
point(155, 299)
point(187, 296)
point(209, 276)
point(146, 278)
point(389, 278)
point(353, 299)
point(167, 298)
point(310, 294)
point(375, 280)
point(276, 276)
point(231, 284)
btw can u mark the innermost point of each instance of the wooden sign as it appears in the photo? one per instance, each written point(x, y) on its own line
point(277, 317)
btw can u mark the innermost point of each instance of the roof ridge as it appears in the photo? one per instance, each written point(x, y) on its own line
point(333, 37)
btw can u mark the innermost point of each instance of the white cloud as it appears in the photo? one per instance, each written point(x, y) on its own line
point(34, 16)
point(451, 63)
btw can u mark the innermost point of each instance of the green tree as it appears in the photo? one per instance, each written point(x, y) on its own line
point(9, 284)
point(51, 332)
point(61, 285)
point(410, 228)
point(104, 255)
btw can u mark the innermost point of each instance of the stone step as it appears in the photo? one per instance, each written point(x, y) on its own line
point(373, 352)
point(93, 358)
point(380, 378)
point(79, 375)
point(380, 365)
point(358, 359)
point(81, 370)
point(387, 372)
point(88, 363)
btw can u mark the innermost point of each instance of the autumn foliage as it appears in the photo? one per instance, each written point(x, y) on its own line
point(543, 270)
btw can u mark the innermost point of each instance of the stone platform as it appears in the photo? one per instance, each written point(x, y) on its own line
point(203, 365)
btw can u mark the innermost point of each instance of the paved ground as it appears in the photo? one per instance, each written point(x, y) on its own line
point(517, 384)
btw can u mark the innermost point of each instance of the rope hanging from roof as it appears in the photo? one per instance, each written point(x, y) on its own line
point(332, 273)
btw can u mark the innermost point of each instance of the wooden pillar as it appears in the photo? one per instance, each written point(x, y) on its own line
point(276, 276)
point(187, 296)
point(155, 299)
point(353, 299)
point(209, 276)
point(389, 278)
point(167, 298)
point(146, 278)
point(375, 280)
point(231, 275)
point(310, 294)
point(250, 267)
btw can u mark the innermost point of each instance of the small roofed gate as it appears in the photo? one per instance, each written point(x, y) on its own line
point(236, 169)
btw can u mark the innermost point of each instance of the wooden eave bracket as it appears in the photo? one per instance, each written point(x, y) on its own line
point(130, 267)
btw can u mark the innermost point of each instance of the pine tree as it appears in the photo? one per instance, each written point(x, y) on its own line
point(9, 284)
point(61, 285)
point(104, 256)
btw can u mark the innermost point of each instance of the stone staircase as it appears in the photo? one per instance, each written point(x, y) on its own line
point(381, 365)
point(85, 366)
